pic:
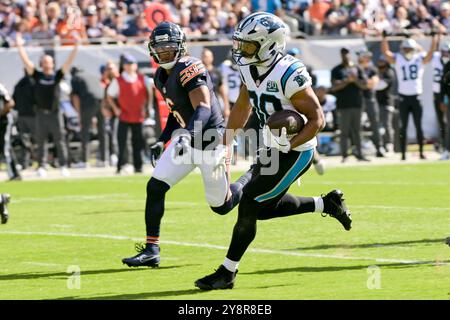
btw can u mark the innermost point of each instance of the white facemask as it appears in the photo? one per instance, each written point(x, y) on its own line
point(409, 55)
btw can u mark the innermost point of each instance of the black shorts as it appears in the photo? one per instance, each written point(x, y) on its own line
point(270, 188)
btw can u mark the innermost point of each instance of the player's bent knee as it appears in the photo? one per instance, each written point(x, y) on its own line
point(226, 207)
point(156, 188)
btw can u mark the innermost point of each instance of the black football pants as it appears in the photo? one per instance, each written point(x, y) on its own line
point(137, 142)
point(407, 105)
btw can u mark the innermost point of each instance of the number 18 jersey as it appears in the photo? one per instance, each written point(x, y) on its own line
point(409, 74)
point(272, 91)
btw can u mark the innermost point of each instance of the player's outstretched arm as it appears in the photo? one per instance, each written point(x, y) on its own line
point(239, 114)
point(433, 48)
point(390, 57)
point(66, 66)
point(306, 102)
point(29, 66)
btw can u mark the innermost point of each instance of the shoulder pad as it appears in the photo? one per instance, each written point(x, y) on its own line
point(295, 71)
point(189, 68)
point(295, 79)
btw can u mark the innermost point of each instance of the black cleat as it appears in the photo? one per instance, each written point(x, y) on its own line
point(447, 241)
point(4, 207)
point(148, 256)
point(335, 207)
point(220, 279)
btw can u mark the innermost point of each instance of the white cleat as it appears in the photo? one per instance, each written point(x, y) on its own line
point(320, 167)
point(114, 160)
point(445, 155)
point(65, 172)
point(80, 165)
point(42, 172)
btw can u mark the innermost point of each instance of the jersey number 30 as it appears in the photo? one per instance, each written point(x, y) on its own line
point(260, 104)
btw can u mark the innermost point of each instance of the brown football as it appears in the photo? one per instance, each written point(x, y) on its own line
point(288, 119)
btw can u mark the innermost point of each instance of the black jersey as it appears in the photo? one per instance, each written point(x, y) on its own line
point(187, 74)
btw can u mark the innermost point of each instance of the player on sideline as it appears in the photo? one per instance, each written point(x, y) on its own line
point(409, 67)
point(258, 44)
point(188, 90)
point(4, 200)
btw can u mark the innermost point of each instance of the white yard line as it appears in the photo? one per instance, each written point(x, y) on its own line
point(400, 208)
point(211, 246)
point(126, 198)
point(42, 264)
point(379, 182)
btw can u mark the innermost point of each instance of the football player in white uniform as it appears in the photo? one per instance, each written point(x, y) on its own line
point(409, 67)
point(272, 82)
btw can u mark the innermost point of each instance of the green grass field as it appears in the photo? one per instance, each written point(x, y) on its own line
point(401, 216)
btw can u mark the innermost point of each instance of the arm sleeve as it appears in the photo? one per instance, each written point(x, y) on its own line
point(171, 125)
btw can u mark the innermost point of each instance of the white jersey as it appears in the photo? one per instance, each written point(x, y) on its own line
point(410, 74)
point(274, 91)
point(438, 68)
point(232, 78)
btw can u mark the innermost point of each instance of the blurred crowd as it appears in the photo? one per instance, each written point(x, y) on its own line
point(132, 20)
point(119, 21)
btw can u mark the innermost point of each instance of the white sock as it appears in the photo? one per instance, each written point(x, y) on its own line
point(230, 265)
point(318, 202)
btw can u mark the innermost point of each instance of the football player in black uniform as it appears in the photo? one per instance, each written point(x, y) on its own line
point(188, 90)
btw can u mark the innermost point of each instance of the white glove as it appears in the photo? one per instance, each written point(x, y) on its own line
point(221, 155)
point(182, 145)
point(272, 141)
point(220, 160)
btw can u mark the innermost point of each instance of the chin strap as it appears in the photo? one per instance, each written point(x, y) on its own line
point(263, 67)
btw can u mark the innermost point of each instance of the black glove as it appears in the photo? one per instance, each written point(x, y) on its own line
point(155, 152)
point(182, 145)
point(384, 34)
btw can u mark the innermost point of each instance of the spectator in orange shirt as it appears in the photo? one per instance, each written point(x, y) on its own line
point(317, 10)
point(71, 27)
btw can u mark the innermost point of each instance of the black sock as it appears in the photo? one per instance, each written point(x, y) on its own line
point(154, 206)
point(287, 206)
point(236, 188)
point(245, 228)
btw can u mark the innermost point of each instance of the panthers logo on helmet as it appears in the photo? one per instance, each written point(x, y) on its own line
point(270, 24)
